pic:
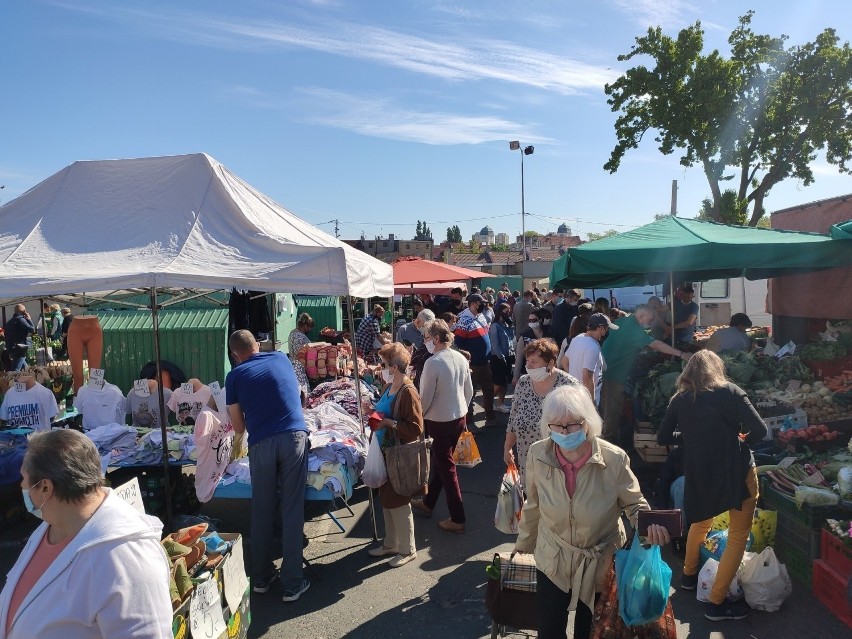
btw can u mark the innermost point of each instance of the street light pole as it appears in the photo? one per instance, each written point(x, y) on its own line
point(515, 145)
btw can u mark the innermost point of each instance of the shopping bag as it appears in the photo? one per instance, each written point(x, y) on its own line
point(763, 527)
point(643, 580)
point(608, 624)
point(510, 502)
point(707, 577)
point(375, 473)
point(766, 583)
point(466, 452)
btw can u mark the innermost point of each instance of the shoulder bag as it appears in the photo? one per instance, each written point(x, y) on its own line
point(407, 464)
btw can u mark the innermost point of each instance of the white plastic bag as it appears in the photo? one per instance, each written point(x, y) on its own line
point(375, 473)
point(707, 577)
point(510, 502)
point(765, 581)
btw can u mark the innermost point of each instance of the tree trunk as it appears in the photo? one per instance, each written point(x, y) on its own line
point(715, 212)
point(757, 211)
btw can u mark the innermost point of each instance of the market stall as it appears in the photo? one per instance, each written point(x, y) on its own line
point(177, 222)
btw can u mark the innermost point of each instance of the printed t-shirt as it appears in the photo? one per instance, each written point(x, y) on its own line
point(100, 406)
point(188, 406)
point(32, 408)
point(267, 391)
point(621, 348)
point(214, 439)
point(145, 411)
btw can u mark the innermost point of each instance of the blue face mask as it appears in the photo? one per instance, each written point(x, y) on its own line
point(571, 441)
point(28, 502)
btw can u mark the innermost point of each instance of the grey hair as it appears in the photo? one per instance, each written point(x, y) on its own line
point(438, 330)
point(426, 316)
point(570, 403)
point(67, 458)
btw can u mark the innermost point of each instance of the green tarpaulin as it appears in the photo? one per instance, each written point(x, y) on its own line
point(694, 250)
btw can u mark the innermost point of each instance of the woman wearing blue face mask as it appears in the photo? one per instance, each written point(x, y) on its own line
point(577, 488)
point(94, 567)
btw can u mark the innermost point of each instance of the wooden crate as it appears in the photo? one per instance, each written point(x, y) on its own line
point(648, 449)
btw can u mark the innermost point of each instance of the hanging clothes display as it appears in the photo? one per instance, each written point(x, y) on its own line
point(100, 406)
point(144, 410)
point(187, 406)
point(32, 408)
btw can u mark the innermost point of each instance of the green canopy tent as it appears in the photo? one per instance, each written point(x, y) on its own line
point(680, 249)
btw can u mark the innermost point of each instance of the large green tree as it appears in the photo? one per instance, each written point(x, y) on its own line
point(757, 117)
point(454, 234)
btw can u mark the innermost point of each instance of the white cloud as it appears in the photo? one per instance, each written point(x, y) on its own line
point(652, 13)
point(382, 118)
point(450, 58)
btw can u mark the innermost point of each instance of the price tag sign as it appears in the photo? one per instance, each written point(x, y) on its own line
point(20, 387)
point(96, 377)
point(215, 388)
point(187, 389)
point(131, 493)
point(234, 576)
point(205, 611)
point(793, 385)
point(140, 387)
point(787, 461)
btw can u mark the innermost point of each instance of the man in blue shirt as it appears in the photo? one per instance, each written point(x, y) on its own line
point(264, 398)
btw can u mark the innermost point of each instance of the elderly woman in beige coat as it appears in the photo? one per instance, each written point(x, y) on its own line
point(578, 485)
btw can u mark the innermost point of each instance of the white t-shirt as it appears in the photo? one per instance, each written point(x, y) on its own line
point(145, 411)
point(100, 406)
point(188, 406)
point(32, 408)
point(584, 353)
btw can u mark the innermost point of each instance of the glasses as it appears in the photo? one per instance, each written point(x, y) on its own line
point(571, 427)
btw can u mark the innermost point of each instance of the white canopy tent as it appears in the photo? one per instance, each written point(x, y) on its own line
point(182, 221)
point(170, 222)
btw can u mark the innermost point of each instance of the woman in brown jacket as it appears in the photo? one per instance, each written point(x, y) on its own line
point(404, 416)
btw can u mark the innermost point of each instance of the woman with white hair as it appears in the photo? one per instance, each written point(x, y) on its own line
point(578, 485)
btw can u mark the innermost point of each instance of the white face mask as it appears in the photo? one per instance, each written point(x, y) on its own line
point(430, 346)
point(534, 325)
point(387, 375)
point(538, 374)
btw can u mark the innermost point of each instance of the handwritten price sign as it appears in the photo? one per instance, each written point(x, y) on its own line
point(234, 576)
point(205, 611)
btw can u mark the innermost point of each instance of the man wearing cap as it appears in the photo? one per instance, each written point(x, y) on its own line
point(471, 335)
point(732, 338)
point(584, 360)
point(367, 336)
point(619, 352)
point(685, 315)
point(410, 332)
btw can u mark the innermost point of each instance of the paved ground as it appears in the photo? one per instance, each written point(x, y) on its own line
point(441, 594)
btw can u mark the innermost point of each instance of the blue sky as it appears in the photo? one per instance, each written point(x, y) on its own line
point(377, 113)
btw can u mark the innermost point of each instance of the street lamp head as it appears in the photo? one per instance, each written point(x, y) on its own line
point(514, 146)
point(529, 150)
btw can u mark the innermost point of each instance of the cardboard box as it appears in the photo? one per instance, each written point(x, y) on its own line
point(240, 620)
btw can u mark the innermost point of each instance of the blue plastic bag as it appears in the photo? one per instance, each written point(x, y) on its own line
point(643, 581)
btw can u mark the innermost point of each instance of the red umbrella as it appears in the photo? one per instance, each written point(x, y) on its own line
point(420, 271)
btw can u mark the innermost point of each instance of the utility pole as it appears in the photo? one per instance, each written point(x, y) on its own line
point(674, 199)
point(336, 228)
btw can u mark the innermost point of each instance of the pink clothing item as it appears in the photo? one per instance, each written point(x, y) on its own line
point(214, 439)
point(44, 556)
point(570, 469)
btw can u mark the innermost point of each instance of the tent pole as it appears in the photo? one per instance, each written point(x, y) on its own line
point(672, 303)
point(43, 330)
point(155, 319)
point(357, 375)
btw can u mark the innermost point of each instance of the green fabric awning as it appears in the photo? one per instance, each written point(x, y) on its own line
point(695, 250)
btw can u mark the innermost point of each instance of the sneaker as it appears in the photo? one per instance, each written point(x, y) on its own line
point(381, 551)
point(502, 408)
point(401, 560)
point(262, 586)
point(726, 610)
point(293, 595)
point(688, 582)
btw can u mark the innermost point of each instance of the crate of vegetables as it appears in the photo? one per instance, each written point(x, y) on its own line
point(817, 438)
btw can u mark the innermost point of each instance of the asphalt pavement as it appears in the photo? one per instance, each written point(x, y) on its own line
point(441, 593)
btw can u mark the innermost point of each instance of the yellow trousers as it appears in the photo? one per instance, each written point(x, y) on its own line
point(738, 530)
